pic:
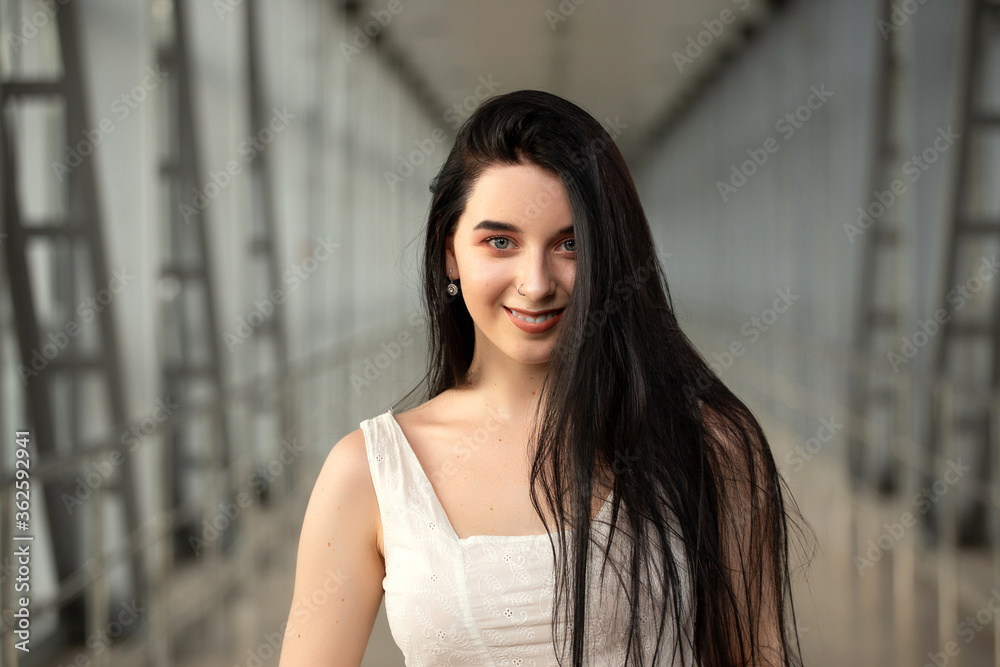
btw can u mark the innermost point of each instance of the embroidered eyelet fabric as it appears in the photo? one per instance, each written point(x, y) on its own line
point(487, 599)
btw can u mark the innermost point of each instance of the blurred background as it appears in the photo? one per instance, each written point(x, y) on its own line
point(212, 215)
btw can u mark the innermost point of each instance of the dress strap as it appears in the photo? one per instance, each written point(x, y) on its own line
point(385, 465)
point(406, 504)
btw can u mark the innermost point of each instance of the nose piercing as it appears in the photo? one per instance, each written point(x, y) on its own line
point(519, 289)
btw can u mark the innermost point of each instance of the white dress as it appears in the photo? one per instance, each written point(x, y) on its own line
point(483, 599)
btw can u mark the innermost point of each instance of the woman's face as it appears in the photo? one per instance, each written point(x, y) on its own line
point(516, 230)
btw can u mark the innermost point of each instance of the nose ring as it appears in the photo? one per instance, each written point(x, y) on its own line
point(519, 289)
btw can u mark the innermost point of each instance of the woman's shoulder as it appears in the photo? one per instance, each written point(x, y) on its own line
point(345, 475)
point(344, 491)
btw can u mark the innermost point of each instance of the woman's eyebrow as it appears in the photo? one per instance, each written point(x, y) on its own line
point(494, 226)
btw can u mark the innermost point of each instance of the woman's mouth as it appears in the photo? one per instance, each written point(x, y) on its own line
point(534, 323)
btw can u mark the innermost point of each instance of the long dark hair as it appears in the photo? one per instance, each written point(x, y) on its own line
point(626, 390)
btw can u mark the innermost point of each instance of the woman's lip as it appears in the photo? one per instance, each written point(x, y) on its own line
point(533, 327)
point(531, 313)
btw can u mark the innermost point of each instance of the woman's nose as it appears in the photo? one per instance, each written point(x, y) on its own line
point(536, 279)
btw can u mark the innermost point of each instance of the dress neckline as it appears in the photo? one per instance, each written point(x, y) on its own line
point(437, 501)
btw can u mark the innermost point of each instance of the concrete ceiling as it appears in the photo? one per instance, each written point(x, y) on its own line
point(620, 60)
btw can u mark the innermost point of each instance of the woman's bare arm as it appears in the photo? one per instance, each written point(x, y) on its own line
point(339, 571)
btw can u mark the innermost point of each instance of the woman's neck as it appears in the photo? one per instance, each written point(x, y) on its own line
point(514, 389)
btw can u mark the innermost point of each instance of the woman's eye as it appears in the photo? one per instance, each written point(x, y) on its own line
point(571, 243)
point(499, 239)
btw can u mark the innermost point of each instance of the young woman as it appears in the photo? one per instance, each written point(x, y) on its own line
point(565, 414)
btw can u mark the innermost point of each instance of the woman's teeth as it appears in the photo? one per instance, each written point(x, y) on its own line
point(535, 320)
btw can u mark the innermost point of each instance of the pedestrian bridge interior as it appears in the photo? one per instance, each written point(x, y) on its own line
point(212, 215)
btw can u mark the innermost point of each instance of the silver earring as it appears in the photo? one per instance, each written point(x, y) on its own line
point(452, 287)
point(519, 289)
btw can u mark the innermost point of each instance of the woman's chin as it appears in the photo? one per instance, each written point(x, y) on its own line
point(539, 355)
